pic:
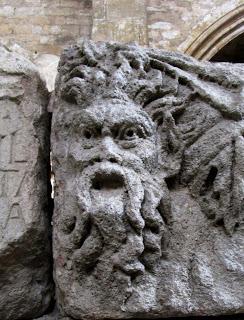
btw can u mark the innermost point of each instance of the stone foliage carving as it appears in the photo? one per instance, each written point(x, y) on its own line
point(148, 161)
point(25, 289)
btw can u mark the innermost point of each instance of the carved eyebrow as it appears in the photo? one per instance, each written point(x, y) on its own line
point(84, 118)
point(87, 119)
point(141, 120)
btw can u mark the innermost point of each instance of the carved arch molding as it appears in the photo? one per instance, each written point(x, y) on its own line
point(217, 35)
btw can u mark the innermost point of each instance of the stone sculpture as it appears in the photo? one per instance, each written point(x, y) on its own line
point(148, 161)
point(25, 255)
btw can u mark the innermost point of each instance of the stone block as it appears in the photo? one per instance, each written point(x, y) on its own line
point(45, 39)
point(117, 9)
point(25, 29)
point(25, 251)
point(37, 29)
point(60, 11)
point(148, 157)
point(39, 20)
point(6, 11)
point(55, 29)
point(28, 11)
point(57, 20)
point(71, 3)
point(123, 30)
point(99, 9)
point(5, 29)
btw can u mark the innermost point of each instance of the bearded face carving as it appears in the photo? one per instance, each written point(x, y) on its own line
point(132, 175)
point(115, 146)
point(121, 206)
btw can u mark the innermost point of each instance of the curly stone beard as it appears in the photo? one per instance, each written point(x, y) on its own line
point(121, 220)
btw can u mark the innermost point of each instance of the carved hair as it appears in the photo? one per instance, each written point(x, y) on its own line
point(125, 72)
point(190, 102)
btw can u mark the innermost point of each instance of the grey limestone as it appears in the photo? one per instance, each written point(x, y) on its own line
point(147, 152)
point(25, 246)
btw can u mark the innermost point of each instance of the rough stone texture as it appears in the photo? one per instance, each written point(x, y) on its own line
point(229, 317)
point(44, 26)
point(54, 315)
point(46, 63)
point(25, 289)
point(148, 161)
point(166, 24)
point(175, 24)
point(115, 20)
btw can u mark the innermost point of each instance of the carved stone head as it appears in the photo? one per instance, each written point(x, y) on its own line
point(147, 159)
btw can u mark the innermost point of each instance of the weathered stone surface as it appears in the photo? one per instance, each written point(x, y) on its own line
point(148, 160)
point(44, 26)
point(54, 315)
point(227, 317)
point(25, 290)
point(123, 21)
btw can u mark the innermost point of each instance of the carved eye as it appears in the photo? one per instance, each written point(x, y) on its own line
point(88, 134)
point(130, 133)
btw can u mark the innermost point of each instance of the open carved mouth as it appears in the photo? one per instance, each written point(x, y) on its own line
point(107, 181)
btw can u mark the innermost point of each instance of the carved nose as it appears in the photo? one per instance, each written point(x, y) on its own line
point(110, 151)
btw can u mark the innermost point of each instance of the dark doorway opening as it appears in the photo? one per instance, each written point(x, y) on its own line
point(232, 52)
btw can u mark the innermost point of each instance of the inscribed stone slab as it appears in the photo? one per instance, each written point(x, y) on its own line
point(25, 290)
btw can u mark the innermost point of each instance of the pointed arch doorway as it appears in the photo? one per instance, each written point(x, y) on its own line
point(225, 34)
point(232, 52)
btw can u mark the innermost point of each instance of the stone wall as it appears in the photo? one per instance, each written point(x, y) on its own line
point(174, 24)
point(44, 26)
point(170, 25)
point(123, 21)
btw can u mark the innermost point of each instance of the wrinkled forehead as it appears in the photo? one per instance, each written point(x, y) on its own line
point(110, 113)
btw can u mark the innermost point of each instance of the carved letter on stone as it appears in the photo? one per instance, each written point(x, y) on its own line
point(25, 291)
point(148, 161)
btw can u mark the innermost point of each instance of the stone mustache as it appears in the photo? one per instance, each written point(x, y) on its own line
point(147, 158)
point(120, 200)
